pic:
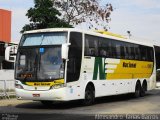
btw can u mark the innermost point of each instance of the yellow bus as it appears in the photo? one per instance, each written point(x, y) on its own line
point(63, 64)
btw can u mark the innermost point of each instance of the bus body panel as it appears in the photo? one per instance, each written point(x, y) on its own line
point(125, 83)
point(71, 92)
point(109, 76)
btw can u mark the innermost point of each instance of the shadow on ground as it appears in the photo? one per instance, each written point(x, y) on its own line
point(78, 103)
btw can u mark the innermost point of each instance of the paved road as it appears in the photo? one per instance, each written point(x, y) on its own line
point(123, 104)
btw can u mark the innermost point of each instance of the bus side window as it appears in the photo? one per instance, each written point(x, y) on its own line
point(122, 52)
point(91, 46)
point(151, 54)
point(118, 51)
point(132, 52)
point(126, 52)
point(71, 66)
point(114, 53)
point(143, 53)
point(137, 52)
point(104, 48)
point(87, 51)
point(96, 46)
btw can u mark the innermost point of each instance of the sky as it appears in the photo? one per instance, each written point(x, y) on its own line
point(141, 17)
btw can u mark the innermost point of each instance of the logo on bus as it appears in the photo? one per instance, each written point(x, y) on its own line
point(99, 66)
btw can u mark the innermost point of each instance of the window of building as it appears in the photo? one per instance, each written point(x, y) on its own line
point(2, 49)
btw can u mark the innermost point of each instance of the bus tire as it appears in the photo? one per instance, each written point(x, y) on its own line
point(137, 90)
point(143, 89)
point(89, 96)
point(47, 103)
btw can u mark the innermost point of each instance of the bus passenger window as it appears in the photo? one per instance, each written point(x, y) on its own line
point(105, 48)
point(113, 49)
point(103, 53)
point(137, 53)
point(150, 53)
point(92, 51)
point(122, 52)
point(87, 50)
point(91, 45)
point(132, 52)
point(126, 53)
point(143, 53)
point(118, 51)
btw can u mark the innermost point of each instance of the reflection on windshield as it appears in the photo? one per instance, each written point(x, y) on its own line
point(40, 64)
point(53, 38)
point(50, 64)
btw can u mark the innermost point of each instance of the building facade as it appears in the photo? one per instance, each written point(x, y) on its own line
point(5, 37)
point(5, 26)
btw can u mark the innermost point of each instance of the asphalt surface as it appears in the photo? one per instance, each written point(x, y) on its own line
point(74, 110)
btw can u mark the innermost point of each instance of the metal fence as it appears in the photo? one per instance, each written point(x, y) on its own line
point(7, 88)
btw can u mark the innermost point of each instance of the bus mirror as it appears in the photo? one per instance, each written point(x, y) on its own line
point(10, 53)
point(64, 51)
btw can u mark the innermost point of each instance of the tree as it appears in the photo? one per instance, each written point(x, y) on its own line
point(43, 15)
point(89, 11)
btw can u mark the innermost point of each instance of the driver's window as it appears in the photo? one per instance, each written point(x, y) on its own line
point(74, 56)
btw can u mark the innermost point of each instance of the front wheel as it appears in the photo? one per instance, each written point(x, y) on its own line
point(89, 96)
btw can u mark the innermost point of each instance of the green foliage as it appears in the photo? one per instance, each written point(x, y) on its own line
point(43, 15)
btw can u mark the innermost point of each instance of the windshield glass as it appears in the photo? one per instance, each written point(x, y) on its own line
point(53, 38)
point(40, 63)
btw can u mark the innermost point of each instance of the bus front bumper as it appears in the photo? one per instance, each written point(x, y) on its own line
point(53, 94)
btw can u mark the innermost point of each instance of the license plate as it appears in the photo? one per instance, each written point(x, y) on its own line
point(36, 95)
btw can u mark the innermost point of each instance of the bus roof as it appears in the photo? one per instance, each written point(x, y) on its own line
point(98, 33)
point(111, 34)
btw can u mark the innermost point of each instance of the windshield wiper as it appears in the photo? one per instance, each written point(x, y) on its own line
point(35, 66)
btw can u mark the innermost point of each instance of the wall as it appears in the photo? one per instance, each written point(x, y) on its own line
point(5, 25)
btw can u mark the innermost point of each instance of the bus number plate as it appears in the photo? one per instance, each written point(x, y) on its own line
point(36, 95)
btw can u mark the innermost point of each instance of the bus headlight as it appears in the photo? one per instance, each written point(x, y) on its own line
point(18, 86)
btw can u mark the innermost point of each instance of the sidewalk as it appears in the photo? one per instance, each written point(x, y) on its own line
point(12, 102)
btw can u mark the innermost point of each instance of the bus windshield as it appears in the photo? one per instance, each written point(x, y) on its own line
point(52, 38)
point(39, 57)
point(40, 63)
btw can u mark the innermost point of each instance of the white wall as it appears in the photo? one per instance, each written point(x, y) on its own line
point(7, 75)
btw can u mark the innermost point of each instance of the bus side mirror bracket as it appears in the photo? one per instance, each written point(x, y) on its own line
point(64, 52)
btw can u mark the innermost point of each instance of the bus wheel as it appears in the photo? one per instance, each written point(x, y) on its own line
point(143, 89)
point(47, 103)
point(137, 90)
point(89, 96)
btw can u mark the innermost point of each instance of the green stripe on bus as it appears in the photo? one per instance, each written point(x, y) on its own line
point(99, 65)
